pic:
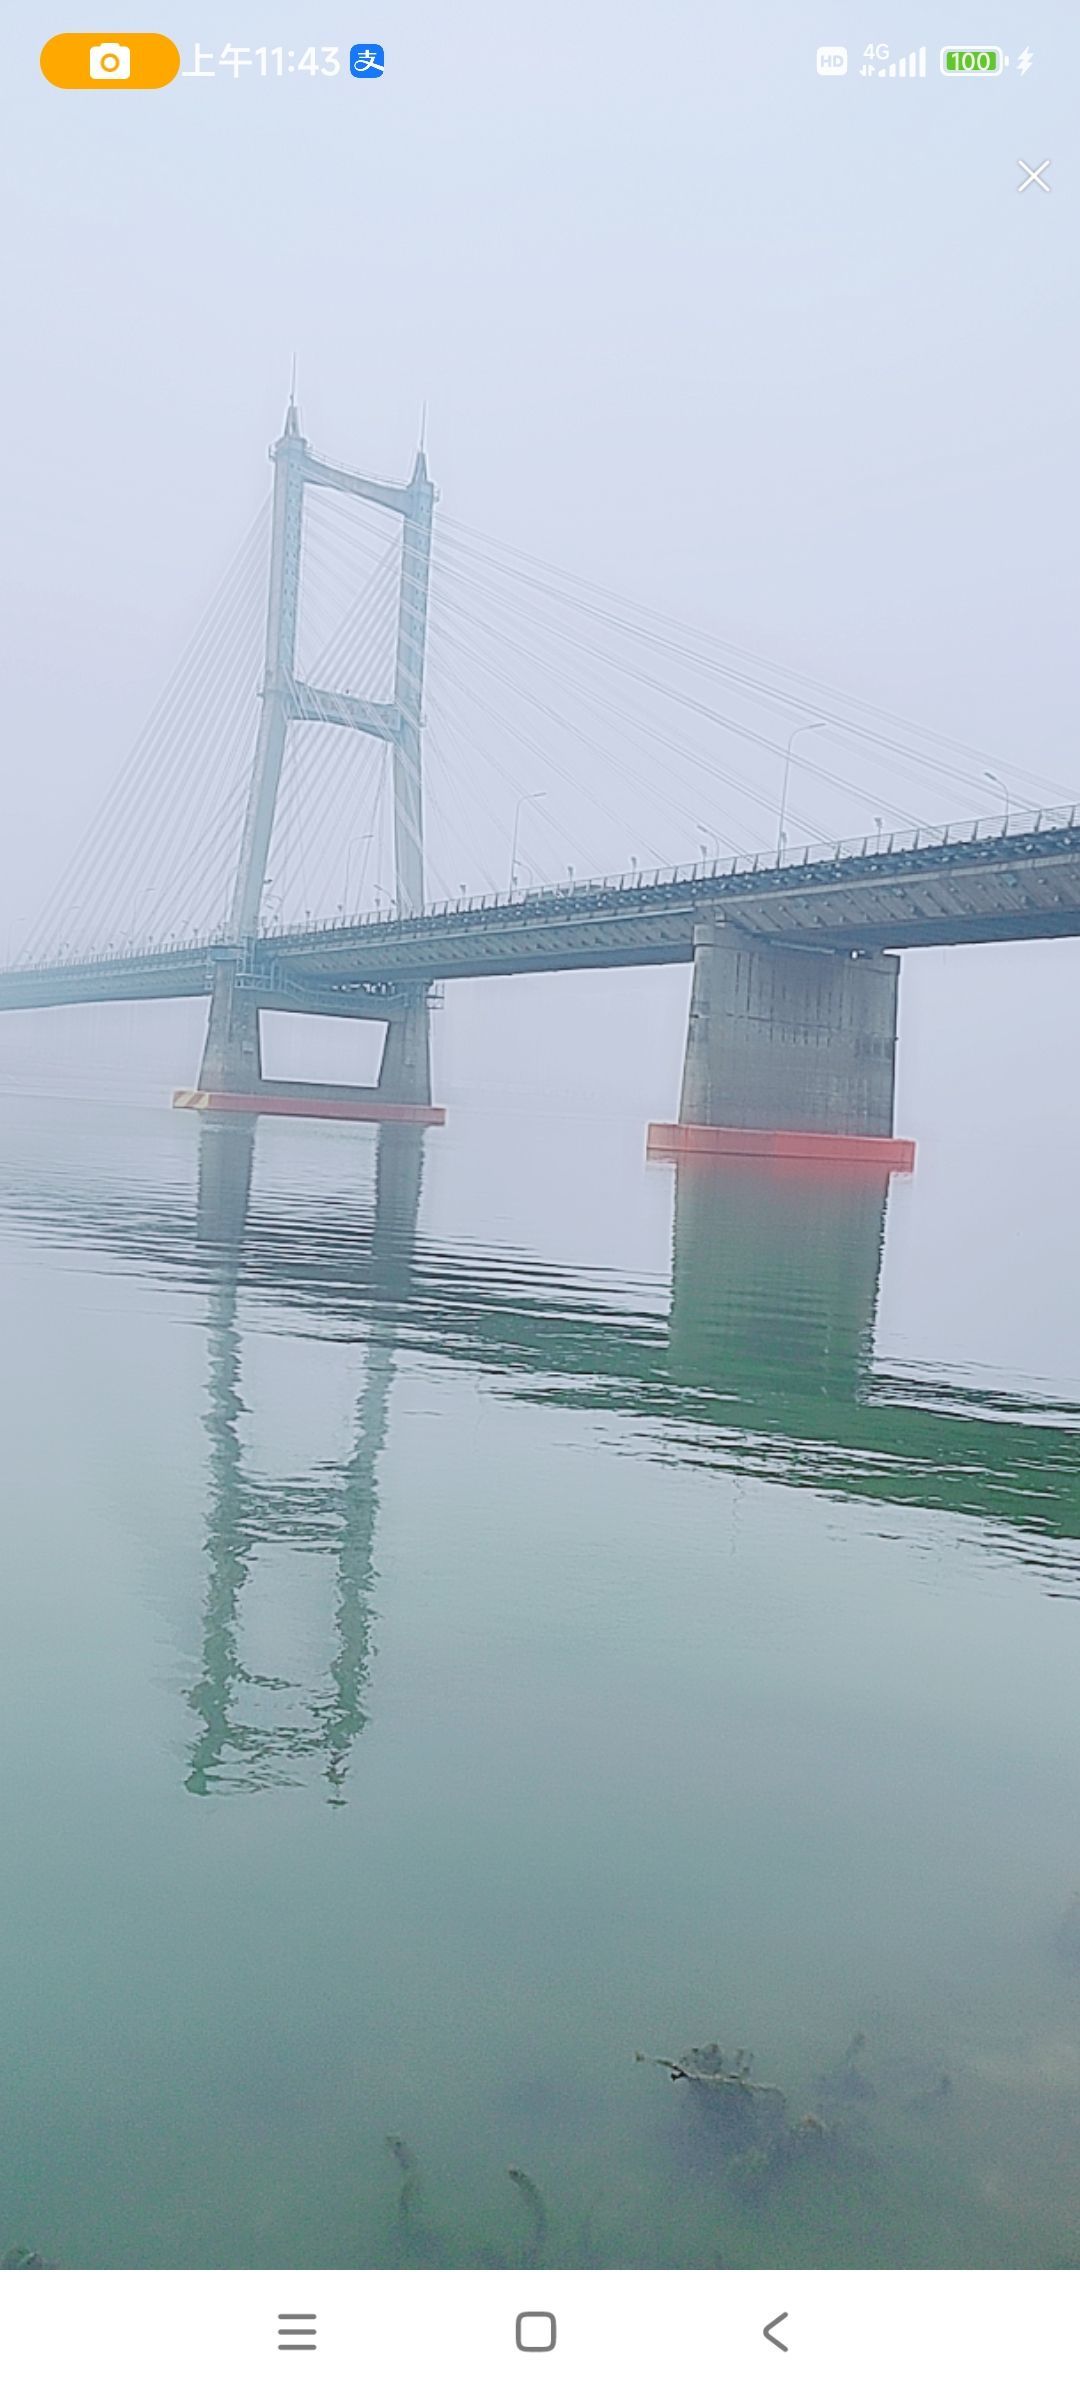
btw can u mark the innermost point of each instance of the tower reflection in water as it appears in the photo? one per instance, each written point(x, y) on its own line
point(257, 1729)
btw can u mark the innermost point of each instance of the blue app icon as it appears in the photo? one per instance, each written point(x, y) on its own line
point(367, 58)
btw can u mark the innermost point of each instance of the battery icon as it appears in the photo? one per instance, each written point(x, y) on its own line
point(971, 62)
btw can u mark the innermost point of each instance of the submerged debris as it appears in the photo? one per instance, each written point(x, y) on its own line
point(758, 2171)
point(408, 2207)
point(734, 2114)
point(708, 2068)
point(420, 2243)
point(20, 2256)
point(537, 2215)
point(763, 2144)
point(845, 2086)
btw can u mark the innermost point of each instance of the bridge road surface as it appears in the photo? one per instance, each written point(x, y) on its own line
point(933, 892)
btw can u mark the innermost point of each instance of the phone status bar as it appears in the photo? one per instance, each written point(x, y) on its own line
point(878, 62)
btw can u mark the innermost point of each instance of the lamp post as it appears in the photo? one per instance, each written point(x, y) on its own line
point(815, 726)
point(522, 803)
point(989, 777)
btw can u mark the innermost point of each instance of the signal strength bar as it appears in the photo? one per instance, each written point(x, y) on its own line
point(913, 64)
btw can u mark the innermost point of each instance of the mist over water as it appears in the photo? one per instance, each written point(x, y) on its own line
point(442, 1665)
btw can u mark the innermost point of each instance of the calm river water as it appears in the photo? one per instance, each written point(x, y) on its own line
point(471, 1615)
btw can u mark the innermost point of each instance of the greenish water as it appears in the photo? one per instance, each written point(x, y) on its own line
point(452, 1645)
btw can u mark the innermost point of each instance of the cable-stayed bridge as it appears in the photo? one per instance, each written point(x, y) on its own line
point(362, 713)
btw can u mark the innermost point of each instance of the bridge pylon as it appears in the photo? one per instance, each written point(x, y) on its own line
point(240, 990)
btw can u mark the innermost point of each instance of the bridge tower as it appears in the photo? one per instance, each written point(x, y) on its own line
point(232, 1059)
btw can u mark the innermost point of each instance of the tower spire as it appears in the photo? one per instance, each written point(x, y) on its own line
point(292, 413)
point(420, 469)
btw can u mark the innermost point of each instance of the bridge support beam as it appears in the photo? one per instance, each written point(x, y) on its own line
point(789, 1052)
point(231, 1077)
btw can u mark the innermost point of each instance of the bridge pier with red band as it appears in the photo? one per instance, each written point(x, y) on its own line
point(773, 1148)
point(790, 1056)
point(343, 1106)
point(231, 1080)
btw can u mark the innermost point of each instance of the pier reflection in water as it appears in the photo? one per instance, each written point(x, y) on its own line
point(775, 1279)
point(771, 1367)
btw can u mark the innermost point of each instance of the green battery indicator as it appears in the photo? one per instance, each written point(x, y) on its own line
point(971, 62)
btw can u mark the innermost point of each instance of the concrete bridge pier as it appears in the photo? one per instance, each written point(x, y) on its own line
point(405, 1070)
point(790, 1052)
point(232, 1052)
point(231, 1079)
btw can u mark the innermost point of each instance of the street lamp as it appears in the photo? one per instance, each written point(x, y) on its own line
point(989, 777)
point(816, 726)
point(522, 803)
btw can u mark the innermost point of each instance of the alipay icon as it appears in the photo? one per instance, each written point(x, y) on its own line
point(367, 59)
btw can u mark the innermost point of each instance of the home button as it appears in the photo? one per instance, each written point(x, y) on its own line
point(535, 2330)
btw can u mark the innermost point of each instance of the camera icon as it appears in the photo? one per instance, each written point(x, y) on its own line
point(110, 62)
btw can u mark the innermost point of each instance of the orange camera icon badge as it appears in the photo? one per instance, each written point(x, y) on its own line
point(98, 62)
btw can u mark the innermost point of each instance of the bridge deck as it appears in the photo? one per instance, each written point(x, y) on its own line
point(999, 887)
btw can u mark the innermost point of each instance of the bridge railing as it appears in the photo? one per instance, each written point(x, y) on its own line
point(889, 847)
point(814, 861)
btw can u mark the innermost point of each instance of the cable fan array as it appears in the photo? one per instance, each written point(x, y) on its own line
point(157, 855)
point(568, 731)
